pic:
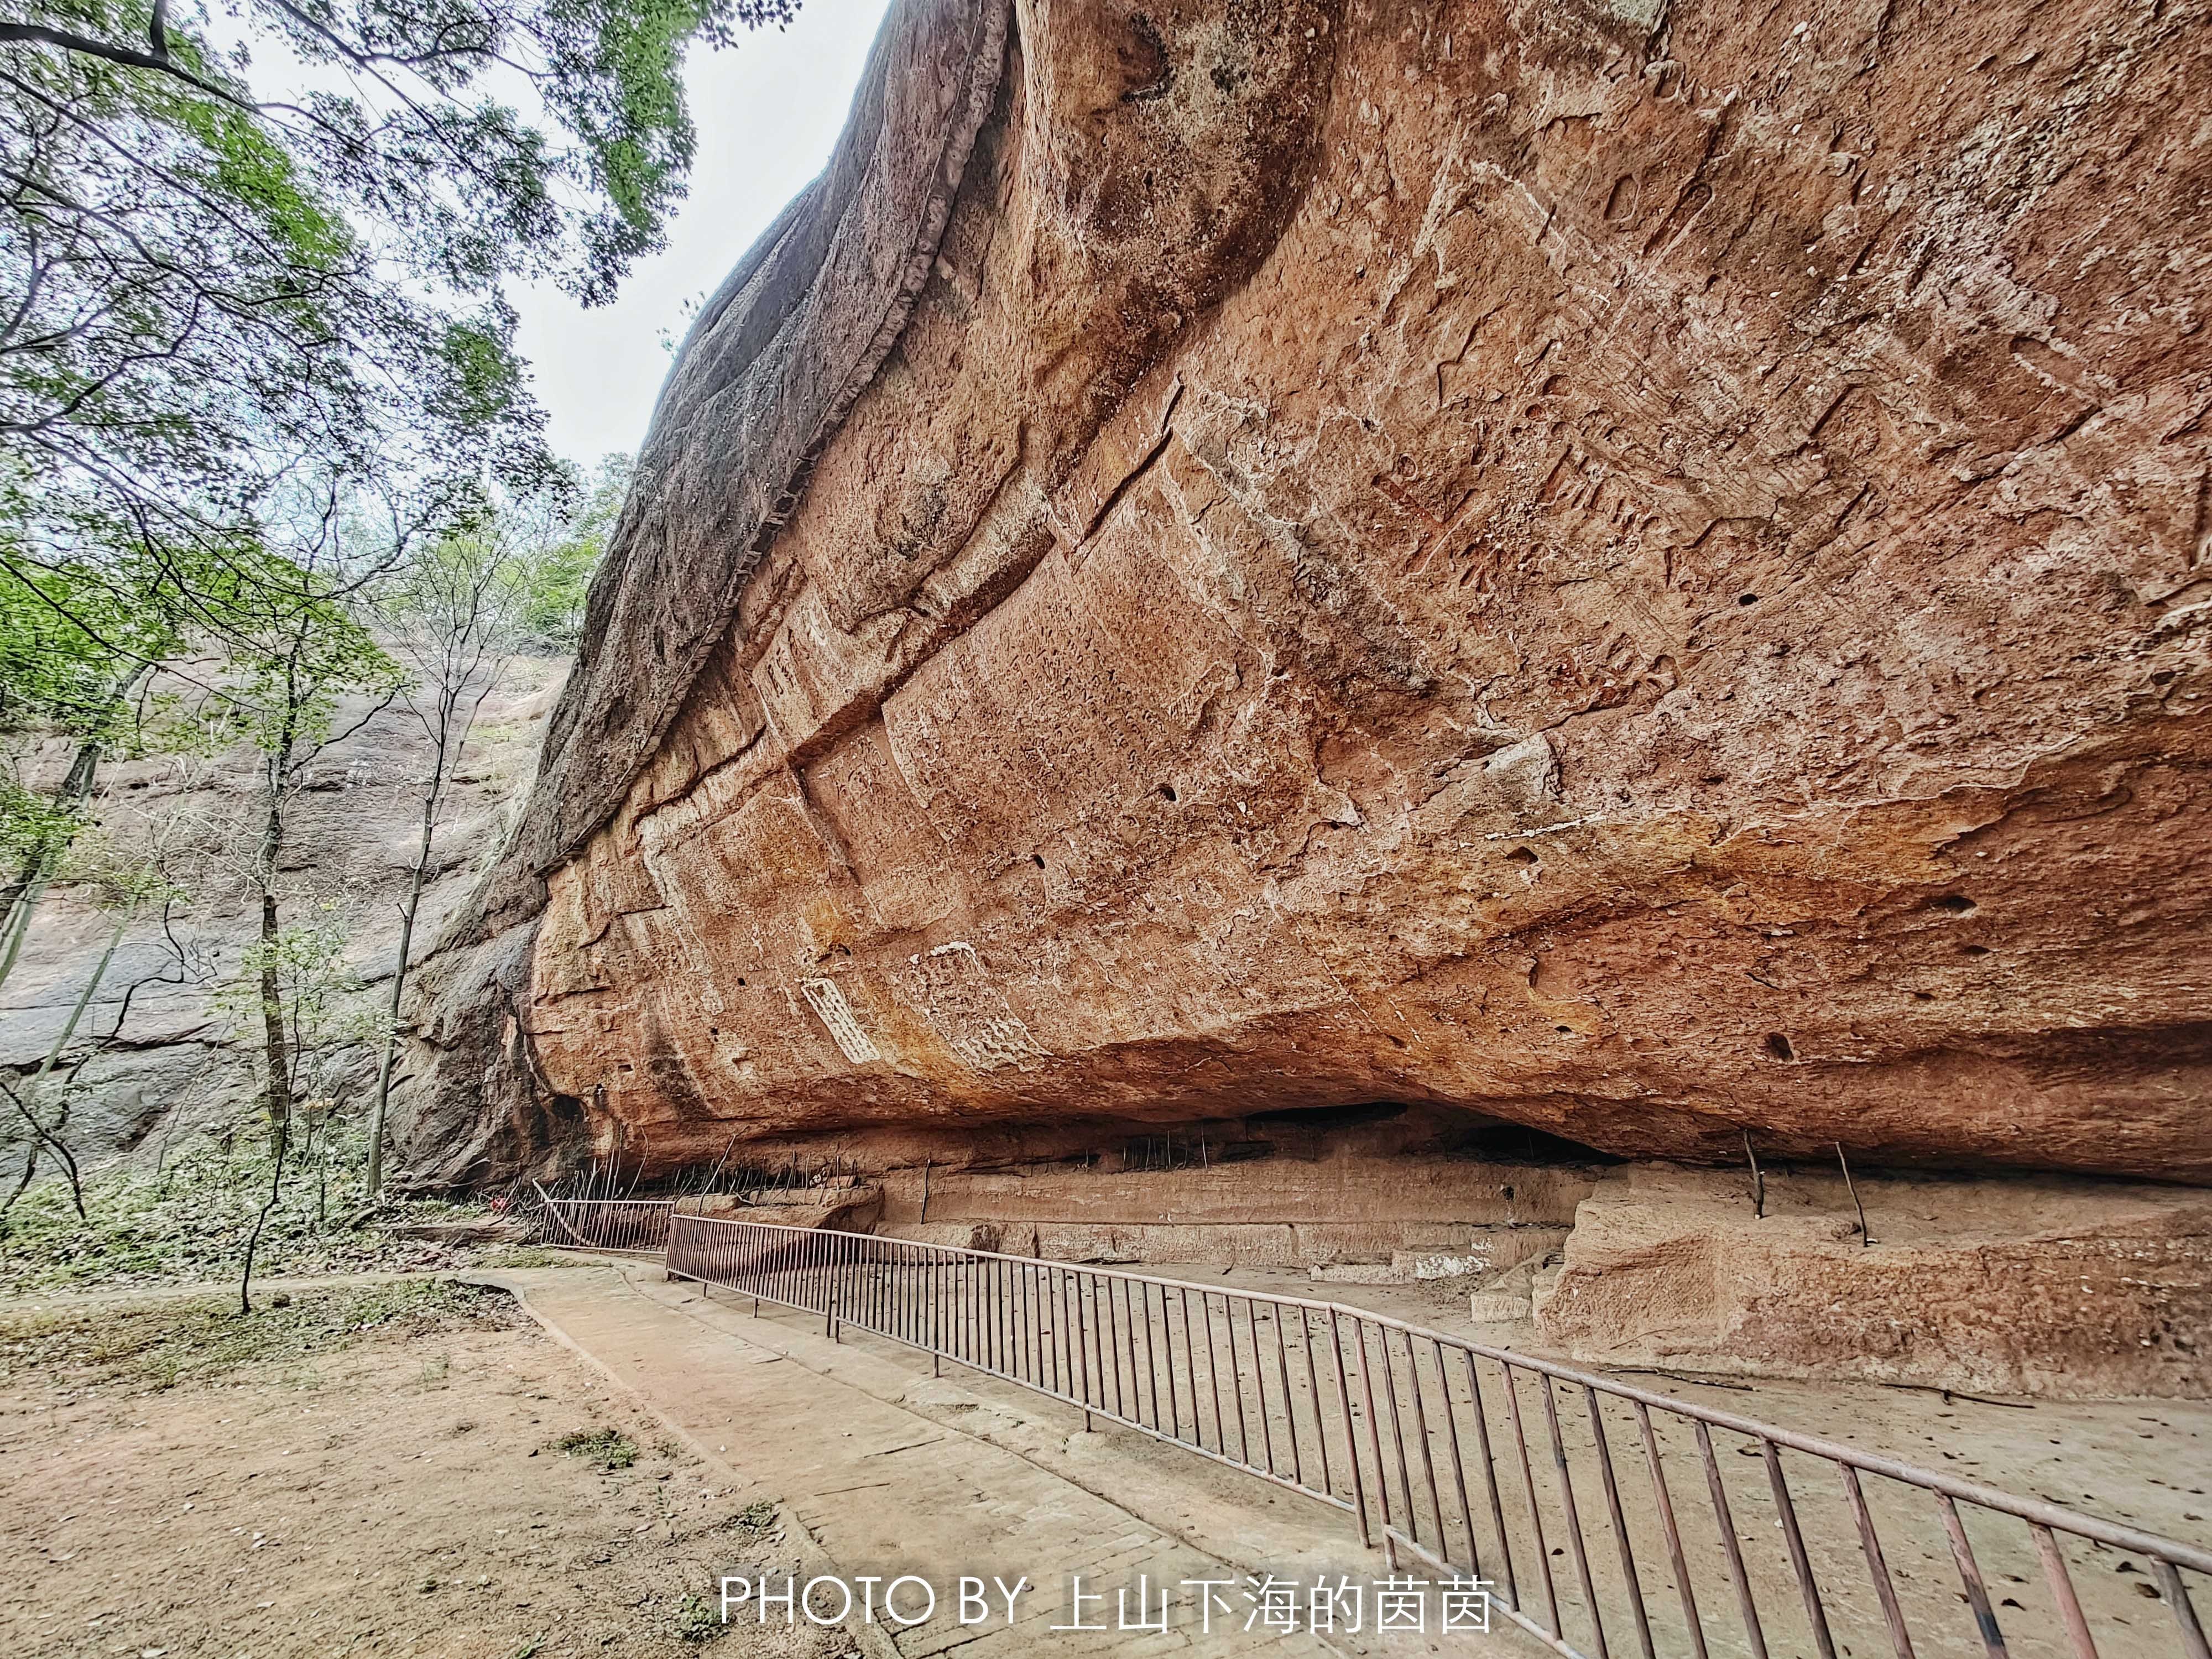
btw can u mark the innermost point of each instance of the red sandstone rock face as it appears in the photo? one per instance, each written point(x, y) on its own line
point(1640, 573)
point(2043, 1286)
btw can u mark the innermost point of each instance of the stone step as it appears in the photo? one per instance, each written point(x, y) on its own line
point(1498, 1306)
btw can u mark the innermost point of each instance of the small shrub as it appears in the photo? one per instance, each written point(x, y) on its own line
point(696, 1619)
point(608, 1448)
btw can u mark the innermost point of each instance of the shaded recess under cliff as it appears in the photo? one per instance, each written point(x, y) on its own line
point(1641, 572)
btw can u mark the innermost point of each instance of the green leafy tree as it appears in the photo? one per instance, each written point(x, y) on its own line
point(454, 617)
point(191, 325)
point(304, 673)
point(303, 969)
point(74, 649)
point(123, 881)
point(235, 270)
point(558, 568)
point(252, 319)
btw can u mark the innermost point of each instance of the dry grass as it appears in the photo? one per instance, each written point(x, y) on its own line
point(158, 1345)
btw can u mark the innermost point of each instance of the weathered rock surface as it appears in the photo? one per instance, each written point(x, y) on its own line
point(160, 1054)
point(851, 1209)
point(2046, 1286)
point(1642, 571)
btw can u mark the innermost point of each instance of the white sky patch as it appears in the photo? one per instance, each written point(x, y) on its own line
point(767, 110)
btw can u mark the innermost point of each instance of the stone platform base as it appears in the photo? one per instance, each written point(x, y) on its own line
point(2015, 1285)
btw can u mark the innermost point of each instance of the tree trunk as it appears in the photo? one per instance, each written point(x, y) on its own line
point(38, 868)
point(276, 1095)
point(375, 1182)
point(253, 1238)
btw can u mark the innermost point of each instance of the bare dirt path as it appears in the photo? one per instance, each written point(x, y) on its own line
point(394, 1491)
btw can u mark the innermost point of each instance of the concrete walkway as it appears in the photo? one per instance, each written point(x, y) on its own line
point(893, 1471)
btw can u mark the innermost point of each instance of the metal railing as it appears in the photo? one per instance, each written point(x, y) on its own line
point(607, 1224)
point(1489, 1464)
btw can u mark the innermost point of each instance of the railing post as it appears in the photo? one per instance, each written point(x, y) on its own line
point(1746, 1604)
point(2062, 1592)
point(2193, 1644)
point(1351, 1435)
point(1374, 1440)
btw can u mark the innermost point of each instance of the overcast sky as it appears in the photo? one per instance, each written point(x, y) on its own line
point(767, 109)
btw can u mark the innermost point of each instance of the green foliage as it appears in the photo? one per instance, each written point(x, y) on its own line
point(297, 650)
point(71, 641)
point(697, 1620)
point(235, 311)
point(68, 638)
point(118, 874)
point(517, 577)
point(453, 609)
point(188, 1221)
point(72, 631)
point(197, 327)
point(314, 980)
point(559, 571)
point(517, 1255)
point(608, 1448)
point(30, 824)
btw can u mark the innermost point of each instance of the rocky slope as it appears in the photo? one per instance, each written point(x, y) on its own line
point(1639, 571)
point(161, 1053)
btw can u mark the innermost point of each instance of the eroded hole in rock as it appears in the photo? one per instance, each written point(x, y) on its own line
point(564, 1113)
point(1328, 1117)
point(1777, 1046)
point(1954, 904)
point(1521, 855)
point(1520, 1143)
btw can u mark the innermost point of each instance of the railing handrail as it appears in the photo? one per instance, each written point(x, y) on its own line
point(642, 1223)
point(664, 1202)
point(2034, 1511)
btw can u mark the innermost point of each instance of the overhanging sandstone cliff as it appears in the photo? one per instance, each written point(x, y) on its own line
point(1642, 572)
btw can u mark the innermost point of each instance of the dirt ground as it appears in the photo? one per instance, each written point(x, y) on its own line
point(377, 1470)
